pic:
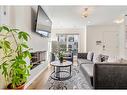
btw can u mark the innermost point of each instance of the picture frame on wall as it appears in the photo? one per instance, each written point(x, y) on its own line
point(61, 38)
point(98, 42)
point(71, 39)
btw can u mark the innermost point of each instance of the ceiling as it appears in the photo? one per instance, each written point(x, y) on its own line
point(71, 16)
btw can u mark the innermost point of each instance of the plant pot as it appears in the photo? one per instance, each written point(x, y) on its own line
point(61, 59)
point(21, 87)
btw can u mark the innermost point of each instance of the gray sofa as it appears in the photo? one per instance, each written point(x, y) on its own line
point(103, 75)
point(82, 59)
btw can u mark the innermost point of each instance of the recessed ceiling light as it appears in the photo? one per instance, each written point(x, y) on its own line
point(119, 20)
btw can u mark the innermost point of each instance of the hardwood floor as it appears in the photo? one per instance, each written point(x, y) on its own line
point(40, 82)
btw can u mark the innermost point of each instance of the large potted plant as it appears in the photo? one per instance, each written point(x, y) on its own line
point(15, 51)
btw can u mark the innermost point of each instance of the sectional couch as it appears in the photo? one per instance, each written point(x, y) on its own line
point(103, 75)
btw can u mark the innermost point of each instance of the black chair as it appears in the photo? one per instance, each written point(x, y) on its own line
point(68, 57)
point(52, 57)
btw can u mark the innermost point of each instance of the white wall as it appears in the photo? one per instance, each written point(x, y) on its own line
point(81, 32)
point(123, 39)
point(96, 33)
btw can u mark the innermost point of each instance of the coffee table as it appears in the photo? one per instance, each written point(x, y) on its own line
point(59, 73)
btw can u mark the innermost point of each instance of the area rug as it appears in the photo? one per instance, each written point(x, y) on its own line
point(77, 81)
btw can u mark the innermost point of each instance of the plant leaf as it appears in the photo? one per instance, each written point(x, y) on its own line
point(4, 67)
point(22, 62)
point(30, 66)
point(20, 35)
point(23, 35)
point(6, 28)
point(27, 53)
point(1, 28)
point(7, 44)
point(15, 30)
point(24, 45)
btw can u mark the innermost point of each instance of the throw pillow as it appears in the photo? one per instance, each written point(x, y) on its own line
point(113, 60)
point(96, 58)
point(90, 56)
point(104, 58)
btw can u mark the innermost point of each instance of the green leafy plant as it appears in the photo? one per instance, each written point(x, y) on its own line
point(60, 54)
point(15, 51)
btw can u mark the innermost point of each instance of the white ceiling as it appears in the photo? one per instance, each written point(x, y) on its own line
point(70, 16)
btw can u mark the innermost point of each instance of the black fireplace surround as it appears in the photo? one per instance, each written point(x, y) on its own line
point(37, 58)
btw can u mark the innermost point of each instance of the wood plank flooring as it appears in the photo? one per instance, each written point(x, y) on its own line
point(41, 80)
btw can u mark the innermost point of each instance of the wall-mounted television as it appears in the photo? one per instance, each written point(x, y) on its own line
point(43, 23)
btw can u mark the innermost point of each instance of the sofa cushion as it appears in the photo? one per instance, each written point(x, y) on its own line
point(82, 55)
point(88, 68)
point(104, 58)
point(84, 61)
point(90, 56)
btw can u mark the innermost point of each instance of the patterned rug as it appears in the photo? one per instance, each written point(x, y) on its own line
point(77, 81)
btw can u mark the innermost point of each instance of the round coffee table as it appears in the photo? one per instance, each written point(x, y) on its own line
point(59, 73)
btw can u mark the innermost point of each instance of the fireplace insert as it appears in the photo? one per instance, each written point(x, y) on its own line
point(37, 58)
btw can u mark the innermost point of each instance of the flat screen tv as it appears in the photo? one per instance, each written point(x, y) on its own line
point(43, 23)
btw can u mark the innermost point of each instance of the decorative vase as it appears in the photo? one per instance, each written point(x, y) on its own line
point(61, 59)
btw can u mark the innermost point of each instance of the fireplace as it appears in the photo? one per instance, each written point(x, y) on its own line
point(37, 58)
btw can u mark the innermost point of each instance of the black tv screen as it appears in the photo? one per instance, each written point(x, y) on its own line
point(43, 23)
